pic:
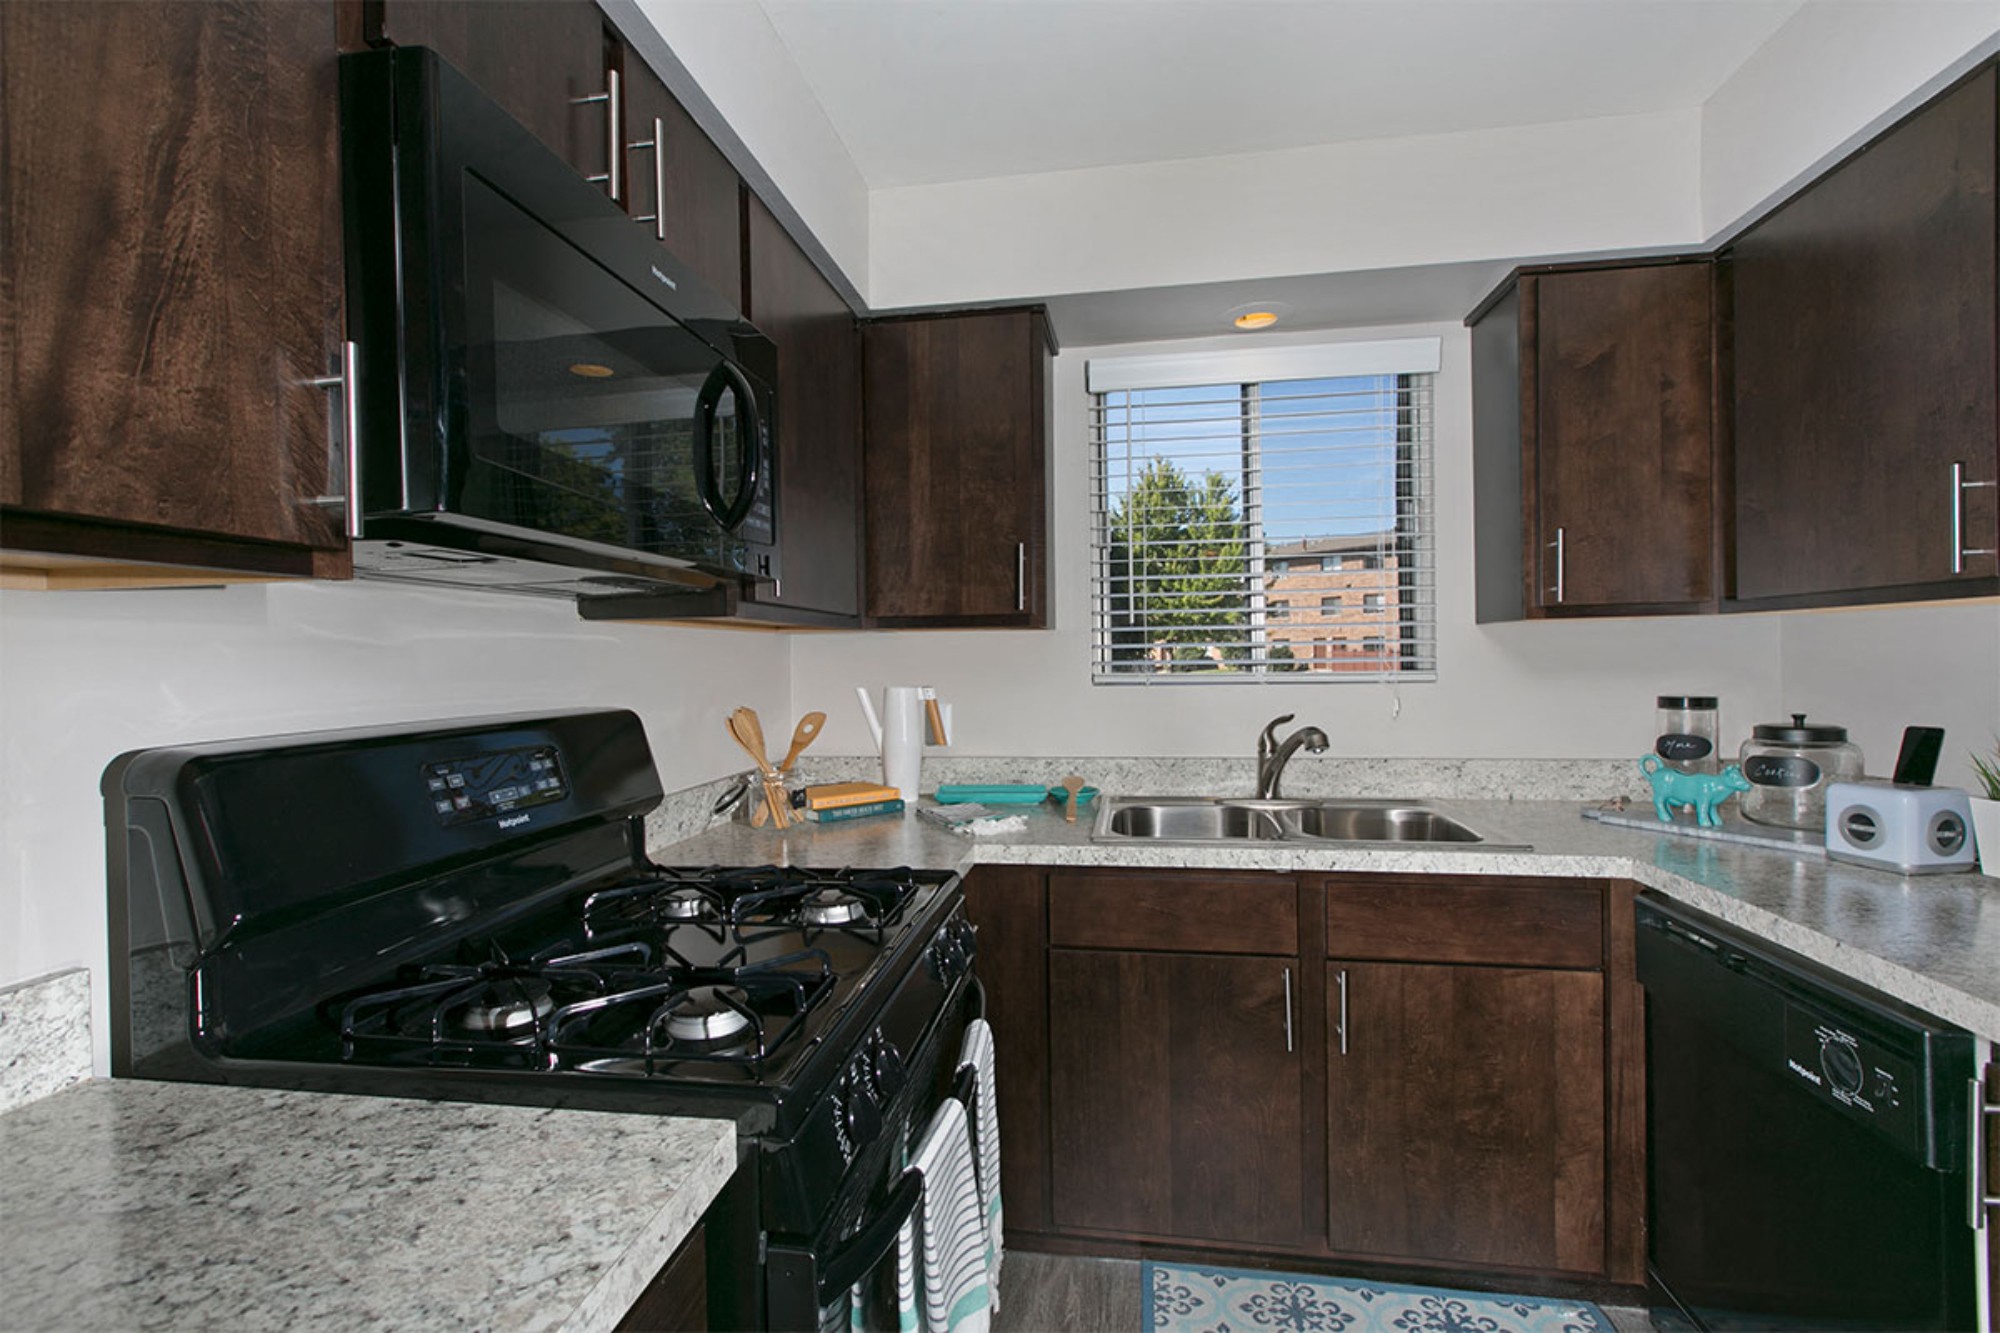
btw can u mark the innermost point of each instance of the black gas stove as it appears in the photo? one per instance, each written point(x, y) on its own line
point(466, 911)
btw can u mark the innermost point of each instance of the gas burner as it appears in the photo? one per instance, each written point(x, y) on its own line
point(508, 1007)
point(684, 902)
point(710, 1013)
point(832, 907)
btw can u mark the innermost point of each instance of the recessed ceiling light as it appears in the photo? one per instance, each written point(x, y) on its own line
point(590, 370)
point(1254, 315)
point(1256, 319)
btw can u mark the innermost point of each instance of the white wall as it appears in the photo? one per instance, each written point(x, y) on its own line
point(1618, 182)
point(740, 62)
point(1833, 71)
point(86, 676)
point(1561, 690)
point(1880, 670)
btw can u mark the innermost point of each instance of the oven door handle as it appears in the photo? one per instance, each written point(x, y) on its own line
point(870, 1245)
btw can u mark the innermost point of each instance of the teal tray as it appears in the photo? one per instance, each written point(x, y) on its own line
point(1007, 793)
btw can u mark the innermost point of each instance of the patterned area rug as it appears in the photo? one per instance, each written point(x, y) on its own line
point(1190, 1299)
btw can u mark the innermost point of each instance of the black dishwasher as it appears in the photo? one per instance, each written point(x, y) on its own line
point(1807, 1142)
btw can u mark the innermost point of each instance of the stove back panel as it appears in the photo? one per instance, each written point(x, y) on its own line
point(252, 878)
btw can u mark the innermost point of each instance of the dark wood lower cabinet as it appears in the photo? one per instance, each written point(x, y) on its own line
point(1441, 1075)
point(676, 1300)
point(1465, 1114)
point(1178, 1110)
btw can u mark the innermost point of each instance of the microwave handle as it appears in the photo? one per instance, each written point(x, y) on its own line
point(869, 1246)
point(727, 376)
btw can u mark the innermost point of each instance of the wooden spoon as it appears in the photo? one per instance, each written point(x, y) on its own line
point(749, 733)
point(1072, 784)
point(803, 736)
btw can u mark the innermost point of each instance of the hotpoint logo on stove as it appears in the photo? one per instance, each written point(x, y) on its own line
point(1803, 1072)
point(514, 822)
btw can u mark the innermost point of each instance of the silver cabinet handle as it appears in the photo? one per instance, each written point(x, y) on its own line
point(1978, 1200)
point(348, 442)
point(1288, 1011)
point(1557, 547)
point(658, 145)
point(1959, 486)
point(1340, 1029)
point(1020, 576)
point(613, 179)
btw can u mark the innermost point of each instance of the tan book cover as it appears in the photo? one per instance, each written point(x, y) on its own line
point(833, 795)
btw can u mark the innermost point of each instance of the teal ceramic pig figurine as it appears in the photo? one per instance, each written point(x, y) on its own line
point(1700, 792)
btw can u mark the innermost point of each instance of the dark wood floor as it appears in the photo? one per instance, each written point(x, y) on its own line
point(1049, 1293)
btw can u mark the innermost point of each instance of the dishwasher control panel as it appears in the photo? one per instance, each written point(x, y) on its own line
point(1847, 1070)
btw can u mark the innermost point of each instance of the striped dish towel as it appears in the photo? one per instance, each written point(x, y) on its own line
point(977, 1051)
point(950, 1235)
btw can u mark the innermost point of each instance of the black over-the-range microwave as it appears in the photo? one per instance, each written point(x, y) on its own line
point(540, 398)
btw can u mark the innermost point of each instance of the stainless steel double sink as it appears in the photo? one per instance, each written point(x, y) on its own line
point(1213, 819)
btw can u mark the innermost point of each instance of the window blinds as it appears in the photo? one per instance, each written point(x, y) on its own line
point(1263, 529)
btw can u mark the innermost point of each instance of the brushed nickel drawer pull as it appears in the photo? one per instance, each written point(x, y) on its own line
point(1288, 1011)
point(348, 443)
point(1959, 486)
point(613, 179)
point(658, 145)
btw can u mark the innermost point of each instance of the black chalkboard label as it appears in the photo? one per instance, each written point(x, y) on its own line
point(1682, 749)
point(1773, 770)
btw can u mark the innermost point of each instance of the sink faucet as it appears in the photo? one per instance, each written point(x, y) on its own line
point(1273, 755)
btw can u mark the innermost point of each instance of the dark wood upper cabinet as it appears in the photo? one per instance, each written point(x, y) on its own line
point(171, 252)
point(1864, 315)
point(678, 184)
point(956, 411)
point(542, 61)
point(1595, 439)
point(818, 344)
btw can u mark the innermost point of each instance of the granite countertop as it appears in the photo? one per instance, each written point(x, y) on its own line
point(128, 1204)
point(1930, 940)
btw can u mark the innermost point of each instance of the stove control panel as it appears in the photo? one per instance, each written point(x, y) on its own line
point(504, 783)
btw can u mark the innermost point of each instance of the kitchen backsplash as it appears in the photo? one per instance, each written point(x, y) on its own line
point(44, 1036)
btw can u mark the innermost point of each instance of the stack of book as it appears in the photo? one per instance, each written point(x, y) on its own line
point(834, 801)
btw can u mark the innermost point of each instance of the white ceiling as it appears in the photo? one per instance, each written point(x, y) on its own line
point(927, 91)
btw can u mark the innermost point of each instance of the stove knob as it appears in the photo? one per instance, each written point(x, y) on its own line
point(862, 1115)
point(890, 1075)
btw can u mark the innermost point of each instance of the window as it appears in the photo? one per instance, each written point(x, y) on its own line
point(1221, 479)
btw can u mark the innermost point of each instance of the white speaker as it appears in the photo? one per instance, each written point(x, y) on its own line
point(1912, 830)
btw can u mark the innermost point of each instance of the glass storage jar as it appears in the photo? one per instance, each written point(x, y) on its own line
point(1685, 731)
point(1790, 766)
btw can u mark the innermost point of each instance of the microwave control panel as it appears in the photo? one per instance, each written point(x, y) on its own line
point(485, 786)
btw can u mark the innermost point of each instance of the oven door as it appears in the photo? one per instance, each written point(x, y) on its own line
point(845, 1278)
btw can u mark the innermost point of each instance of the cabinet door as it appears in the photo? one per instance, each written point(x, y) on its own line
point(1175, 1105)
point(171, 262)
point(1864, 370)
point(536, 58)
point(686, 192)
point(1465, 1115)
point(1621, 454)
point(818, 428)
point(956, 410)
point(1009, 906)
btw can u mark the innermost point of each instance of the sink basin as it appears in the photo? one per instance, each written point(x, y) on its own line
point(1240, 819)
point(1353, 822)
point(1193, 819)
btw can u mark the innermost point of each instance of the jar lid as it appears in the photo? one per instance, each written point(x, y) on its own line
point(1686, 701)
point(1798, 733)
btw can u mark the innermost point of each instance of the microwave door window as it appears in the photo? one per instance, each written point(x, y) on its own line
point(584, 400)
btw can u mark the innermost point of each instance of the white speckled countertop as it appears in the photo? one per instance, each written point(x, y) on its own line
point(1931, 940)
point(133, 1204)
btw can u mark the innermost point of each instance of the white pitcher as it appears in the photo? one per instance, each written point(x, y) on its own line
point(899, 733)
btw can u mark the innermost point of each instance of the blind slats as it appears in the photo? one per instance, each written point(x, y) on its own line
point(1254, 531)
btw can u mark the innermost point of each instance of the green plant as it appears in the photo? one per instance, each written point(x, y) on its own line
point(1989, 773)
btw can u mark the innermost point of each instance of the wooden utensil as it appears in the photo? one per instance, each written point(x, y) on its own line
point(1071, 784)
point(749, 733)
point(802, 736)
